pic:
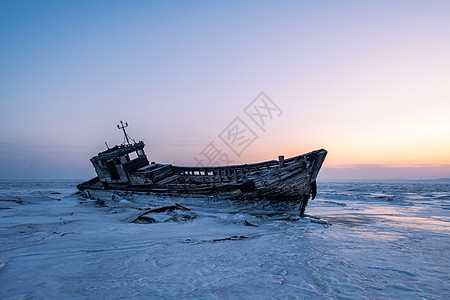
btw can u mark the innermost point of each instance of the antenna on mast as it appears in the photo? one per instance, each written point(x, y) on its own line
point(127, 137)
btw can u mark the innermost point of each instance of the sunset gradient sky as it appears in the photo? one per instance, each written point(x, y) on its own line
point(367, 80)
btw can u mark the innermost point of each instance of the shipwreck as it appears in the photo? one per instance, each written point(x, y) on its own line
point(283, 185)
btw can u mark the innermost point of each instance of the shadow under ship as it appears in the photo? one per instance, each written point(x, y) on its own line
point(275, 186)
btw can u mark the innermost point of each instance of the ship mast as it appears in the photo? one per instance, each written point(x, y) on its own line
point(127, 137)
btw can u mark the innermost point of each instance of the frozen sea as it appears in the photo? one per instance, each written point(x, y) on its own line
point(360, 240)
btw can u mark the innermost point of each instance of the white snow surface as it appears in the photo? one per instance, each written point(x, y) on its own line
point(359, 241)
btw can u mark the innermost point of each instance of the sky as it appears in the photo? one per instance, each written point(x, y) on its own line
point(369, 81)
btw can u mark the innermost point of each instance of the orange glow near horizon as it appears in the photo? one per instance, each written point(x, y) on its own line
point(421, 152)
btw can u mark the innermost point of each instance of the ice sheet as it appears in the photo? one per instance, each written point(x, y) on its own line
point(360, 241)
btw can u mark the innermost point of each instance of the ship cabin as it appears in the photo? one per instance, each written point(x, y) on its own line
point(115, 165)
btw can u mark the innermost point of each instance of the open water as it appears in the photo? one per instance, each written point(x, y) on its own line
point(359, 241)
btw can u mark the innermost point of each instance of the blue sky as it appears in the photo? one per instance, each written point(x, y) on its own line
point(368, 81)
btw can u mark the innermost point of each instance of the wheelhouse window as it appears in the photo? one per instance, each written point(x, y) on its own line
point(133, 155)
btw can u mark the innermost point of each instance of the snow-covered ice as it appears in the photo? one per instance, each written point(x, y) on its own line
point(359, 241)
